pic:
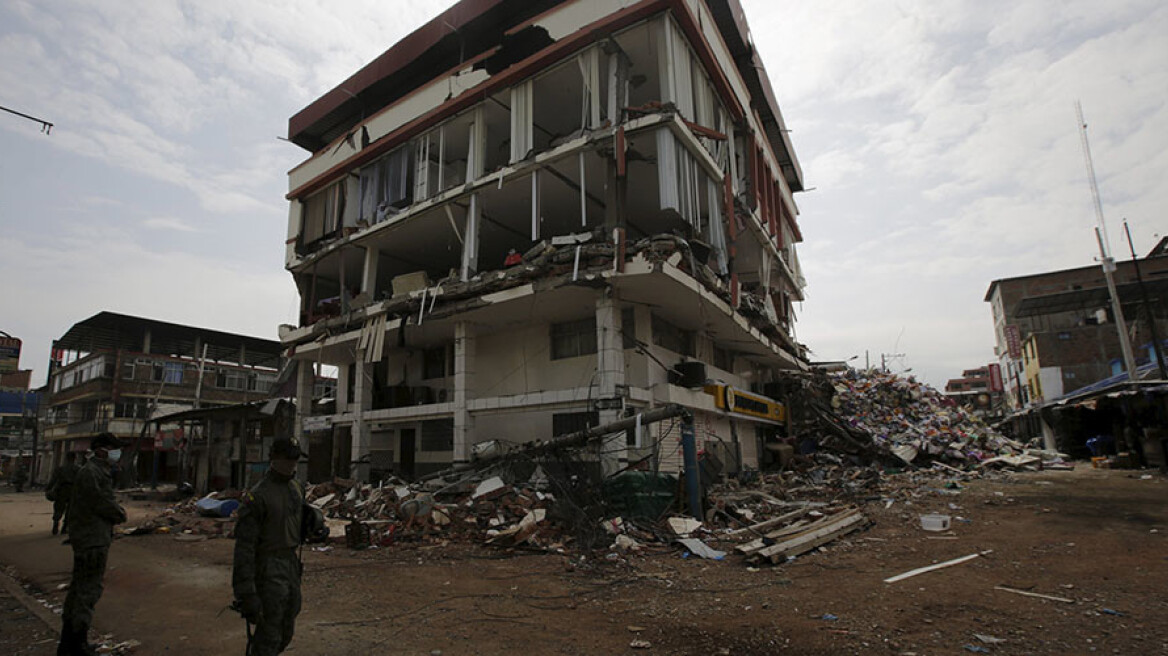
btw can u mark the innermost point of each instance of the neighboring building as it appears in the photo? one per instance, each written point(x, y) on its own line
point(18, 409)
point(113, 372)
point(1056, 333)
point(520, 219)
point(208, 438)
point(18, 422)
point(978, 390)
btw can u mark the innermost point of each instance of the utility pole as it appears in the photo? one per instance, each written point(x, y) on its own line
point(886, 357)
point(1157, 347)
point(1105, 252)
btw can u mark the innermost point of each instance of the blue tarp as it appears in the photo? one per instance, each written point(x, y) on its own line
point(216, 507)
point(10, 402)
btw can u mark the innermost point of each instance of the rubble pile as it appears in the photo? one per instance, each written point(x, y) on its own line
point(185, 519)
point(491, 512)
point(914, 422)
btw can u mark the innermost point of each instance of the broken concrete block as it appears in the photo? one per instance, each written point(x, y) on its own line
point(489, 488)
point(683, 526)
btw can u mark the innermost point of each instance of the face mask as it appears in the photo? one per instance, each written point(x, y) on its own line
point(114, 455)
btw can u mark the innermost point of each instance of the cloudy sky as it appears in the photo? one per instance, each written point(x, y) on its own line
point(939, 136)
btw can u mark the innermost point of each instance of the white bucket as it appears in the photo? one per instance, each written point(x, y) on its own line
point(935, 522)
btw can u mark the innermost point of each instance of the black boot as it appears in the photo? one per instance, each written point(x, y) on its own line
point(56, 527)
point(82, 647)
point(65, 646)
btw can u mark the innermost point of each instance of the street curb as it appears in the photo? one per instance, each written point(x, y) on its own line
point(12, 587)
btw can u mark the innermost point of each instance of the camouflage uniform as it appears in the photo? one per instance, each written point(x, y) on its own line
point(93, 511)
point(267, 535)
point(19, 478)
point(61, 483)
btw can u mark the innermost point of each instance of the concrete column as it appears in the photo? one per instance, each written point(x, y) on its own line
point(146, 342)
point(464, 367)
point(363, 403)
point(610, 364)
point(470, 247)
point(343, 387)
point(369, 273)
point(304, 384)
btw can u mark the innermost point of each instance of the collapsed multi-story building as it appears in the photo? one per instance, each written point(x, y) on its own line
point(530, 217)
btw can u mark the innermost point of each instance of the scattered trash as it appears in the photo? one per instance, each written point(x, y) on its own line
point(640, 644)
point(828, 617)
point(989, 639)
point(977, 649)
point(701, 549)
point(683, 526)
point(1112, 611)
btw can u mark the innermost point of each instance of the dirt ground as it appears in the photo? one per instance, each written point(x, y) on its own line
point(1096, 537)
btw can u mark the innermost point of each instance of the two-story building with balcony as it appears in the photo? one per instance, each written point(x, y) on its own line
point(113, 372)
point(526, 218)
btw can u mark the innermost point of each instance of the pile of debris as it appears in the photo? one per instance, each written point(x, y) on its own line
point(212, 516)
point(491, 512)
point(884, 414)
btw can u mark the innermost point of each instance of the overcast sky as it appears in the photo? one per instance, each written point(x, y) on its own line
point(939, 137)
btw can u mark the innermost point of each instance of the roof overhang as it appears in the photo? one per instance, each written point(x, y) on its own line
point(109, 331)
point(1094, 297)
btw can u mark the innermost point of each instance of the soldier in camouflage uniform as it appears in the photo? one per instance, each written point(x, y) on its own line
point(93, 511)
point(266, 573)
point(61, 488)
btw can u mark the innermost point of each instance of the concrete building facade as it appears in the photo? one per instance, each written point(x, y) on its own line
point(526, 218)
point(113, 372)
point(1055, 331)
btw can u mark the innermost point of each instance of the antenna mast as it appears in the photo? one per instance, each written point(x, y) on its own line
point(1105, 253)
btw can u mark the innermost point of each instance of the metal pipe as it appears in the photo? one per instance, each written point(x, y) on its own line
point(578, 438)
point(690, 452)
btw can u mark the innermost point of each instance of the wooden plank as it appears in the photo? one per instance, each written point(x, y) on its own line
point(774, 521)
point(1034, 594)
point(820, 541)
point(930, 568)
point(799, 527)
point(829, 529)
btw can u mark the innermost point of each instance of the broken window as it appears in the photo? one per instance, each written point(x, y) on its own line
point(668, 336)
point(676, 70)
point(641, 46)
point(565, 101)
point(167, 372)
point(386, 186)
point(573, 338)
point(232, 379)
point(438, 362)
point(683, 182)
point(628, 328)
point(321, 214)
point(565, 423)
point(505, 221)
point(442, 157)
point(437, 435)
point(570, 194)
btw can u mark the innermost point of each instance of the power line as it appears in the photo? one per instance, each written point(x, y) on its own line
point(46, 127)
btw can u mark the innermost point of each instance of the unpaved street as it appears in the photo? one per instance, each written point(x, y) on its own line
point(1092, 536)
